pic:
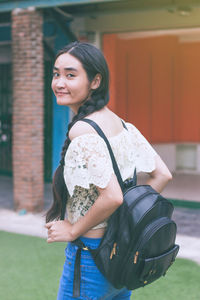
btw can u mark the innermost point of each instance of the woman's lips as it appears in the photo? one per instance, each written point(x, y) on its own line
point(61, 93)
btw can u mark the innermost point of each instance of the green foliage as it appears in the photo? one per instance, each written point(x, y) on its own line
point(31, 268)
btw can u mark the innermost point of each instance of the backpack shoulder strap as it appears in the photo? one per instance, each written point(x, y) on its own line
point(124, 125)
point(115, 166)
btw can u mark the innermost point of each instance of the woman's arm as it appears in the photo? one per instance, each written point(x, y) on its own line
point(110, 198)
point(108, 201)
point(160, 176)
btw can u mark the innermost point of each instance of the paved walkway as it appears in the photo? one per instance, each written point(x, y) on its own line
point(33, 224)
point(188, 221)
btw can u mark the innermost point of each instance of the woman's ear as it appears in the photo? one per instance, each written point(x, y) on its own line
point(96, 82)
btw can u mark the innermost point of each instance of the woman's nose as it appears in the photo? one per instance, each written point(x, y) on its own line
point(60, 82)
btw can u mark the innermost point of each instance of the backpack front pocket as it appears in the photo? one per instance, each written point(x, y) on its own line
point(157, 266)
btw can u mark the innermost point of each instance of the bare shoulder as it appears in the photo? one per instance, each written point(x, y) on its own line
point(80, 128)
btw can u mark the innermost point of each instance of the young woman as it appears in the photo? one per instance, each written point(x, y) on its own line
point(81, 81)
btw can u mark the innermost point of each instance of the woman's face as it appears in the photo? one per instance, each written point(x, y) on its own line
point(70, 83)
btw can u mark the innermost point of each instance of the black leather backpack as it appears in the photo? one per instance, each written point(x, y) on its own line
point(138, 246)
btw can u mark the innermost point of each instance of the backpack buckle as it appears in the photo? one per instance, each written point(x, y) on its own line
point(85, 248)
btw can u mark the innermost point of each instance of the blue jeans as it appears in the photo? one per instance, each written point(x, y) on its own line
point(94, 286)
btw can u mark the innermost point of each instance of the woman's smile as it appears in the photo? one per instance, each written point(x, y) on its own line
point(58, 93)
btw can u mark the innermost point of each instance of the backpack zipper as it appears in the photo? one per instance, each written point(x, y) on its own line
point(114, 251)
point(136, 257)
point(149, 233)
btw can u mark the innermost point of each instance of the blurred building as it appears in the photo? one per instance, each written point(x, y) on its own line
point(153, 51)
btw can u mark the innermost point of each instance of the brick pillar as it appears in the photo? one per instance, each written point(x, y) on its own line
point(27, 52)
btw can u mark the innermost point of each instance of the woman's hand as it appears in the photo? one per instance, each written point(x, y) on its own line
point(59, 231)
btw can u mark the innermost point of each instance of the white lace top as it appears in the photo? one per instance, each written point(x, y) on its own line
point(88, 165)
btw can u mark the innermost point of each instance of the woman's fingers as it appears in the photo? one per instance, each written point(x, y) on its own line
point(48, 225)
point(50, 240)
point(49, 231)
point(59, 231)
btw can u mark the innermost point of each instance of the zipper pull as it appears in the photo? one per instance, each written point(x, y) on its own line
point(136, 257)
point(113, 252)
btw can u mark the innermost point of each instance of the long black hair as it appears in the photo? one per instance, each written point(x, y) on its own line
point(93, 63)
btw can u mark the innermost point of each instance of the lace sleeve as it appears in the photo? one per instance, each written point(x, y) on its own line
point(144, 152)
point(87, 161)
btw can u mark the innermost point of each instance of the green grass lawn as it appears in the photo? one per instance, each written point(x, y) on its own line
point(31, 268)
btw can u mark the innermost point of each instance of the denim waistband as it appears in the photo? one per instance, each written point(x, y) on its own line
point(93, 243)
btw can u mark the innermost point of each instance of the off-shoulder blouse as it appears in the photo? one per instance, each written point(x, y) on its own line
point(88, 165)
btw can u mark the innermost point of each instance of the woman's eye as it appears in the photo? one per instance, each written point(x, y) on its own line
point(70, 75)
point(55, 74)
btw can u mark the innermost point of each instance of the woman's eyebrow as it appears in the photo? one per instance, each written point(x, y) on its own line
point(66, 69)
point(70, 69)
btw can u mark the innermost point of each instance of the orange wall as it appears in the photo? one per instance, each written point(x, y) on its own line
point(187, 104)
point(155, 85)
